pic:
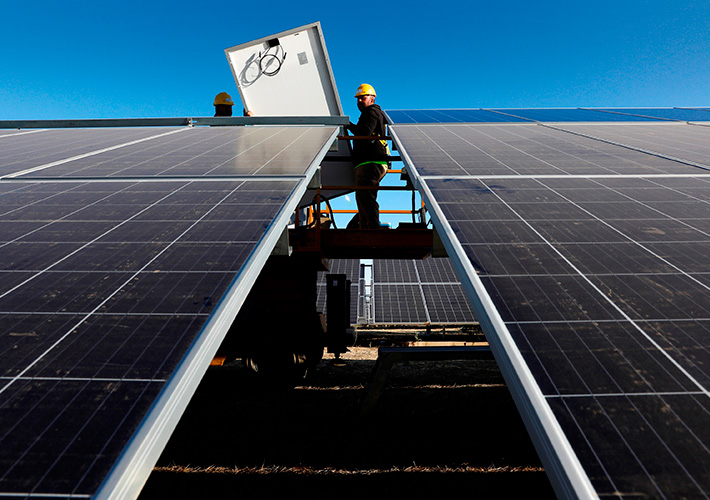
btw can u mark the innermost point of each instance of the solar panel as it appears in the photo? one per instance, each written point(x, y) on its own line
point(25, 149)
point(394, 271)
point(436, 270)
point(687, 143)
point(203, 151)
point(449, 116)
point(589, 279)
point(526, 149)
point(547, 115)
point(447, 304)
point(571, 115)
point(682, 114)
point(443, 293)
point(418, 292)
point(10, 132)
point(398, 304)
point(115, 294)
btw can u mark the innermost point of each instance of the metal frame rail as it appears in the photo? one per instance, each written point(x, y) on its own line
point(176, 122)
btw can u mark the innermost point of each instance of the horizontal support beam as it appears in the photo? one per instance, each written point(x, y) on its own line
point(364, 137)
point(99, 122)
point(349, 159)
point(272, 120)
point(177, 122)
point(400, 212)
point(365, 188)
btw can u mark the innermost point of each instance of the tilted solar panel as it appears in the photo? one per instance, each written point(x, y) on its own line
point(547, 115)
point(584, 261)
point(436, 270)
point(115, 294)
point(449, 116)
point(48, 146)
point(394, 271)
point(571, 115)
point(399, 304)
point(682, 114)
point(528, 149)
point(418, 291)
point(690, 144)
point(191, 152)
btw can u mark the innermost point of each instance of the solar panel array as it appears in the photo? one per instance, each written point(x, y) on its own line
point(583, 249)
point(126, 254)
point(418, 292)
point(548, 115)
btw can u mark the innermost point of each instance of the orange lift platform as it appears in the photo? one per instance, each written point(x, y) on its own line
point(410, 240)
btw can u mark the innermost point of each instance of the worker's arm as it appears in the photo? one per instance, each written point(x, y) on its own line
point(366, 124)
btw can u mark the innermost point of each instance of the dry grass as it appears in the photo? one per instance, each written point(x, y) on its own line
point(276, 469)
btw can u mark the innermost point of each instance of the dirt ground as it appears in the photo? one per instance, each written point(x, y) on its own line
point(439, 429)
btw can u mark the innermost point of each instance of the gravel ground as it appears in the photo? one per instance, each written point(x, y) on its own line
point(439, 429)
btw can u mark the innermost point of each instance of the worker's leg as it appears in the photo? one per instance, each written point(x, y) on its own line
point(369, 174)
point(354, 222)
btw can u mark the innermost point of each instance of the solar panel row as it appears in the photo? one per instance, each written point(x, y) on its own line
point(548, 115)
point(404, 292)
point(418, 292)
point(582, 249)
point(192, 152)
point(124, 260)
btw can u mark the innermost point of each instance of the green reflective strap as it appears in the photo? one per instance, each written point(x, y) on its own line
point(375, 162)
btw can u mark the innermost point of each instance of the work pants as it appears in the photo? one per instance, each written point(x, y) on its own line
point(369, 174)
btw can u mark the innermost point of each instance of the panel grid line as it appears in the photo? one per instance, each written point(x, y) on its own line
point(564, 465)
point(612, 303)
point(86, 155)
point(175, 256)
point(172, 151)
point(23, 133)
point(592, 284)
point(627, 146)
point(40, 272)
point(104, 301)
point(183, 147)
point(540, 159)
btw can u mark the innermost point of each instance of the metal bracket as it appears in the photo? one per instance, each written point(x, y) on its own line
point(315, 182)
point(282, 247)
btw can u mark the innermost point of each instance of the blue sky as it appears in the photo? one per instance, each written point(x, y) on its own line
point(78, 59)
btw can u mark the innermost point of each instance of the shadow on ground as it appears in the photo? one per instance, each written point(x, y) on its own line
point(439, 430)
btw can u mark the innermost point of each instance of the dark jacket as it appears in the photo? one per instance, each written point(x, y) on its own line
point(371, 122)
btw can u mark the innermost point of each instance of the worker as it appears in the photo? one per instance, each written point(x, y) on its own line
point(370, 157)
point(223, 104)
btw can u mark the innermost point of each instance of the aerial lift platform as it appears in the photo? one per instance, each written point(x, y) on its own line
point(279, 329)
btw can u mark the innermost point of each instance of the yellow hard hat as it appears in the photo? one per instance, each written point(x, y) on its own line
point(365, 89)
point(223, 98)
